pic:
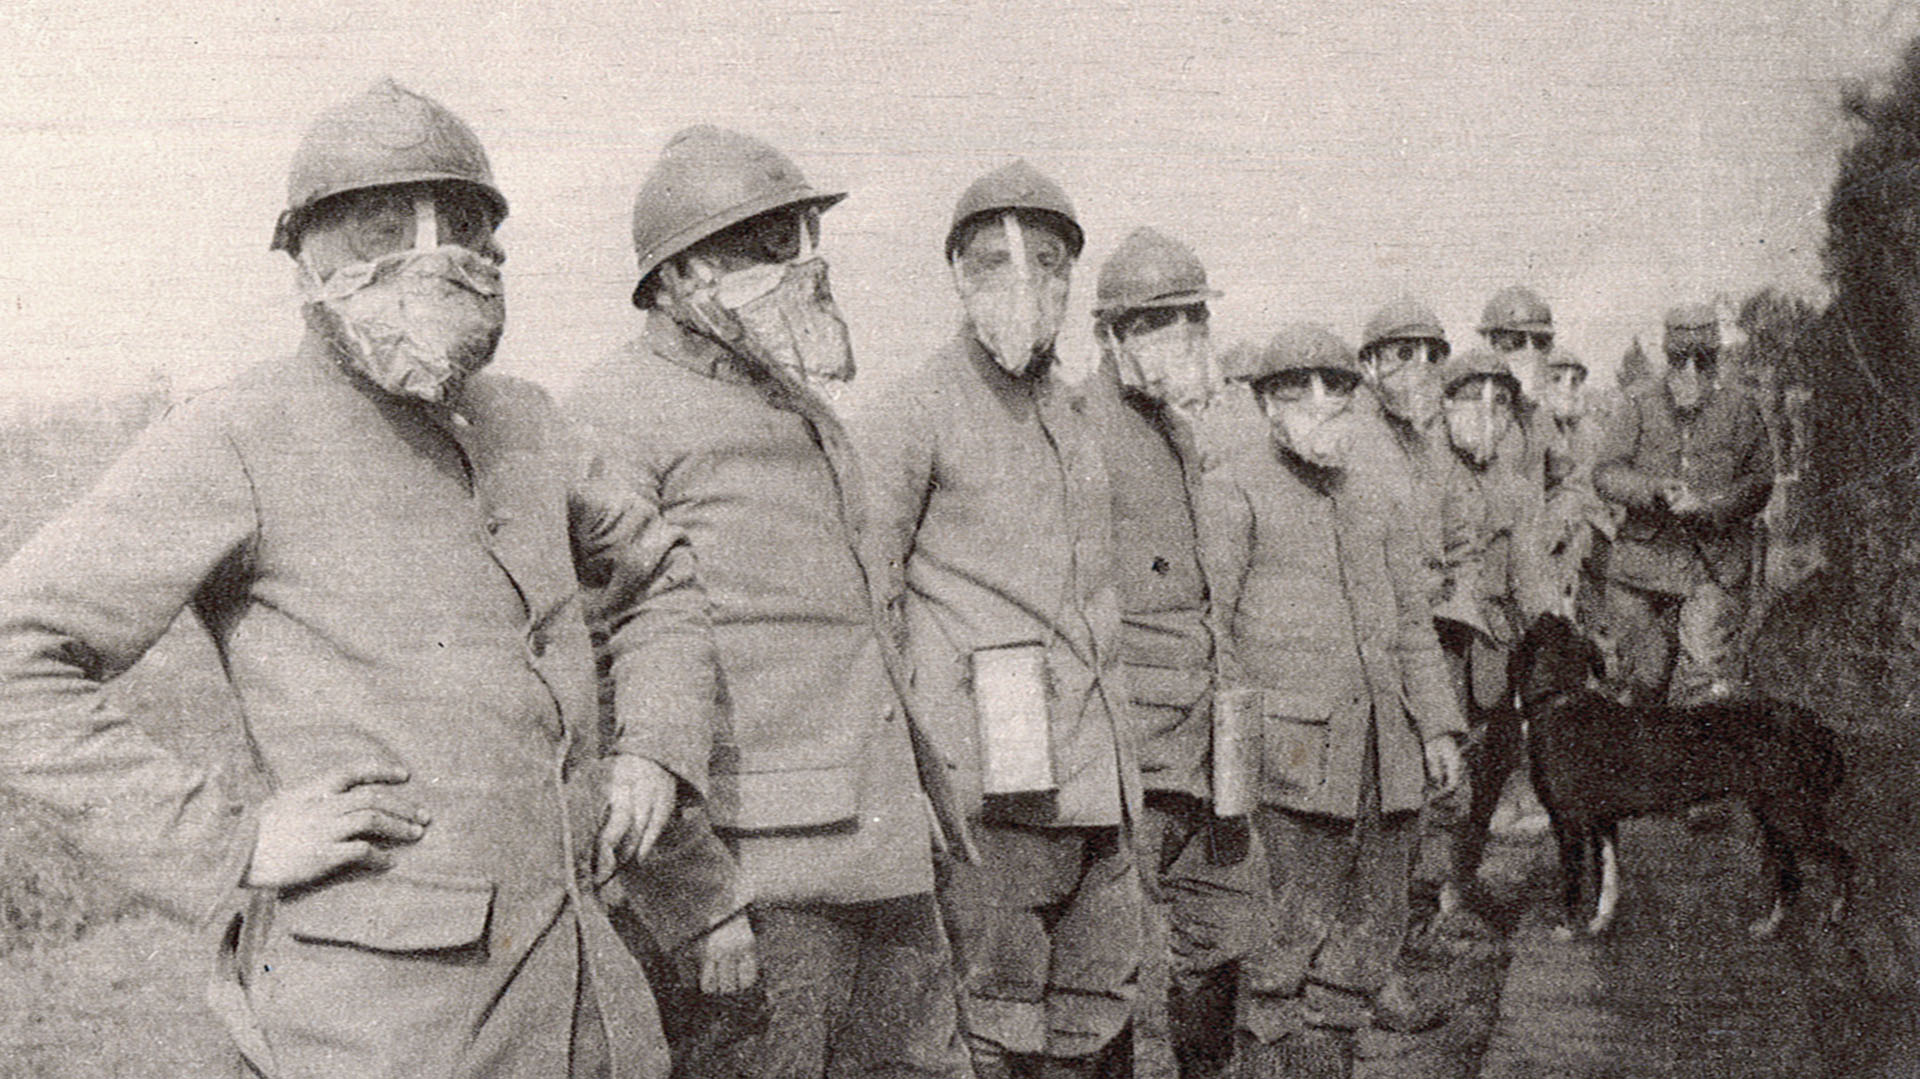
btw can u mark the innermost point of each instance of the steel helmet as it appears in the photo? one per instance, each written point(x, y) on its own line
point(1301, 346)
point(1564, 357)
point(1692, 325)
point(1017, 186)
point(387, 135)
point(1238, 360)
point(1517, 307)
point(1150, 269)
point(1404, 319)
point(1477, 363)
point(707, 180)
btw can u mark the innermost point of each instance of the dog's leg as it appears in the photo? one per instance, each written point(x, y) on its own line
point(1570, 838)
point(1776, 856)
point(1609, 901)
point(1765, 928)
point(1819, 843)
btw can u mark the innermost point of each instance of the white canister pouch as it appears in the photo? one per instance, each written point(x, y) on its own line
point(1238, 720)
point(1011, 702)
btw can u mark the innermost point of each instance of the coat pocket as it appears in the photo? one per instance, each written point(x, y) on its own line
point(1294, 738)
point(392, 912)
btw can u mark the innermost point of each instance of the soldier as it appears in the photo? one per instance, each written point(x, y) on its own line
point(1400, 351)
point(1321, 605)
point(1478, 619)
point(1688, 461)
point(1568, 542)
point(1518, 324)
point(788, 729)
point(1154, 382)
point(991, 500)
point(382, 542)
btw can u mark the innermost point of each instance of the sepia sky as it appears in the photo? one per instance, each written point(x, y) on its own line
point(1320, 156)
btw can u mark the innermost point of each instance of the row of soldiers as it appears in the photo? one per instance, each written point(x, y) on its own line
point(960, 721)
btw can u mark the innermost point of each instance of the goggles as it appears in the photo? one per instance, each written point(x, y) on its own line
point(1148, 319)
point(1700, 356)
point(777, 236)
point(1027, 253)
point(1389, 357)
point(1515, 340)
point(1489, 391)
point(1306, 384)
point(385, 221)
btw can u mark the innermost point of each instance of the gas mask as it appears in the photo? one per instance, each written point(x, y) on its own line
point(1401, 374)
point(1313, 423)
point(1173, 363)
point(1687, 382)
point(1525, 353)
point(779, 313)
point(415, 322)
point(1478, 416)
point(1563, 394)
point(1015, 307)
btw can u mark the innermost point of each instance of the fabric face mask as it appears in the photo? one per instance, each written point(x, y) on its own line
point(416, 322)
point(1015, 309)
point(781, 314)
point(1173, 363)
point(1316, 427)
point(1478, 422)
point(1686, 385)
point(1564, 394)
point(1525, 365)
point(1405, 383)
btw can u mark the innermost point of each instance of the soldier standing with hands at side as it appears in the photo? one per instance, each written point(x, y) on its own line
point(991, 503)
point(1155, 381)
point(1322, 609)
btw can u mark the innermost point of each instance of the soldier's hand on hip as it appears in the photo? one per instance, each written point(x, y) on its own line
point(727, 960)
point(640, 800)
point(348, 817)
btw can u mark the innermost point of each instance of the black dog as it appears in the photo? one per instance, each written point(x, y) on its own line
point(1597, 762)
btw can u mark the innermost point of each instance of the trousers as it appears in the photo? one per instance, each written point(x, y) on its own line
point(1203, 905)
point(845, 990)
point(1047, 938)
point(1336, 915)
point(1674, 647)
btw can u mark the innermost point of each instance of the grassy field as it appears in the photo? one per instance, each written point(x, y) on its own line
point(91, 982)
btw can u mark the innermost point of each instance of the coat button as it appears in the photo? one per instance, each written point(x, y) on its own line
point(493, 526)
point(537, 644)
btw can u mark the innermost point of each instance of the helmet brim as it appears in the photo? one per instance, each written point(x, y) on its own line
point(1172, 299)
point(286, 231)
point(721, 222)
point(1067, 227)
point(1535, 326)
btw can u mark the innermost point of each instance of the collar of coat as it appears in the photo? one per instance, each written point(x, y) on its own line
point(708, 358)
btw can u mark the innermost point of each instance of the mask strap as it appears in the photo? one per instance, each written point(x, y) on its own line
point(426, 224)
point(1317, 389)
point(1016, 245)
point(809, 246)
